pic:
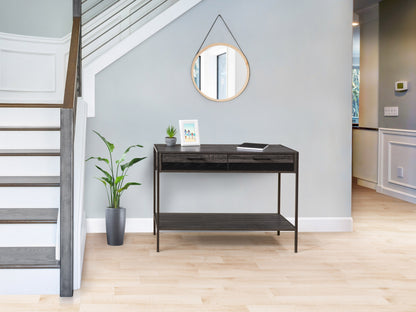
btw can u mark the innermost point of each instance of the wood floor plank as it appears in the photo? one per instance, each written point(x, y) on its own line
point(369, 269)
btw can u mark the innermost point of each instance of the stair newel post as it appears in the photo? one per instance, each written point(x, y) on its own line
point(76, 8)
point(67, 203)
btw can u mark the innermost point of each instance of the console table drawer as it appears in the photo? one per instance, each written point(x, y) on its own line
point(261, 162)
point(195, 162)
point(260, 159)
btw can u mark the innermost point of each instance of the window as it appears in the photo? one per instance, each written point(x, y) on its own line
point(197, 73)
point(222, 76)
point(355, 93)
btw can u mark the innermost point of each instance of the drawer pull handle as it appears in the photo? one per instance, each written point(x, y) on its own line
point(195, 158)
point(261, 158)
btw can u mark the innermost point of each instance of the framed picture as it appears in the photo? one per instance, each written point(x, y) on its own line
point(189, 132)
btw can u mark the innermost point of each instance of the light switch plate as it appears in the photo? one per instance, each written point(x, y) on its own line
point(400, 172)
point(391, 111)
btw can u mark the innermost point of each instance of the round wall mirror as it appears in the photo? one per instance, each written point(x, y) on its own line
point(220, 72)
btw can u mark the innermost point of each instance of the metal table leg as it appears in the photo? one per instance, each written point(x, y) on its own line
point(278, 196)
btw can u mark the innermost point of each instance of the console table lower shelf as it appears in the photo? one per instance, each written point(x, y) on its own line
point(224, 222)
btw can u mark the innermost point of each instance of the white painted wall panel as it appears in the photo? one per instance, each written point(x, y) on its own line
point(27, 71)
point(32, 69)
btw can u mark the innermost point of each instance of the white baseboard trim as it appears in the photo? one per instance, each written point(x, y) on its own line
point(133, 225)
point(145, 225)
point(366, 183)
point(396, 194)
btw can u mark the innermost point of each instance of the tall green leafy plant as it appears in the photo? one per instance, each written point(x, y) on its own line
point(116, 172)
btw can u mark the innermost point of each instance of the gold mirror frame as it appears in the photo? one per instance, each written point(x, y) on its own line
point(245, 61)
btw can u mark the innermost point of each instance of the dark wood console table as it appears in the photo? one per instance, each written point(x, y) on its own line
point(223, 158)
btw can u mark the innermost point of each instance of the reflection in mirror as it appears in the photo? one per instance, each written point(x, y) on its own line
point(220, 72)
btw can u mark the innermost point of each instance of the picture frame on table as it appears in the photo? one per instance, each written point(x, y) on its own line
point(189, 130)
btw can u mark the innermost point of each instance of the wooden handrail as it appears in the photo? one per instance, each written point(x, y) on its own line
point(72, 71)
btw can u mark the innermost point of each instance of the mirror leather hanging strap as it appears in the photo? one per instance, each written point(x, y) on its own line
point(229, 30)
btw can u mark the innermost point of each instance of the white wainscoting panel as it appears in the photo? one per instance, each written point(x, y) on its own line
point(397, 163)
point(32, 69)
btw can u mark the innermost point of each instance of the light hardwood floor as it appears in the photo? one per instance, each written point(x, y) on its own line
point(370, 269)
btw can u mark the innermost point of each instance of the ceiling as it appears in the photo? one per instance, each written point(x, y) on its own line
point(361, 4)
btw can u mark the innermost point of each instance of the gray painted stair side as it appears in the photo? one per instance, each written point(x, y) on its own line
point(28, 258)
point(30, 129)
point(28, 215)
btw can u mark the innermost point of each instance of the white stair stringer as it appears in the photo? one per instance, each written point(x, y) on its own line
point(149, 28)
point(29, 281)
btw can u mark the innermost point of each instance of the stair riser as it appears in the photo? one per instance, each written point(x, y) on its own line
point(29, 140)
point(29, 281)
point(27, 235)
point(29, 166)
point(29, 197)
point(29, 117)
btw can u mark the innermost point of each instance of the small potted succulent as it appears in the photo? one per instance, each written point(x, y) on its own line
point(113, 180)
point(170, 139)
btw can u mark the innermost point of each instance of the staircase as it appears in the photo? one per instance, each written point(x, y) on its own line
point(107, 22)
point(42, 223)
point(37, 191)
point(30, 191)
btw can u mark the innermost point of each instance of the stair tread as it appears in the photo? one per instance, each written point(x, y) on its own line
point(29, 181)
point(31, 105)
point(28, 215)
point(30, 152)
point(18, 128)
point(27, 257)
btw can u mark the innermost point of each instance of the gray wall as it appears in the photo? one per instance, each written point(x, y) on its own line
point(299, 95)
point(397, 62)
point(44, 18)
point(369, 69)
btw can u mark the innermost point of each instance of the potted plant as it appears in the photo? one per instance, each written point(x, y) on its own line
point(114, 181)
point(170, 139)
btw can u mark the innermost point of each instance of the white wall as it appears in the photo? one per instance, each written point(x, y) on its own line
point(364, 157)
point(44, 18)
point(284, 103)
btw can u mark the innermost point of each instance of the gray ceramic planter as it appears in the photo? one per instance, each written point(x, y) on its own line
point(115, 223)
point(170, 141)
